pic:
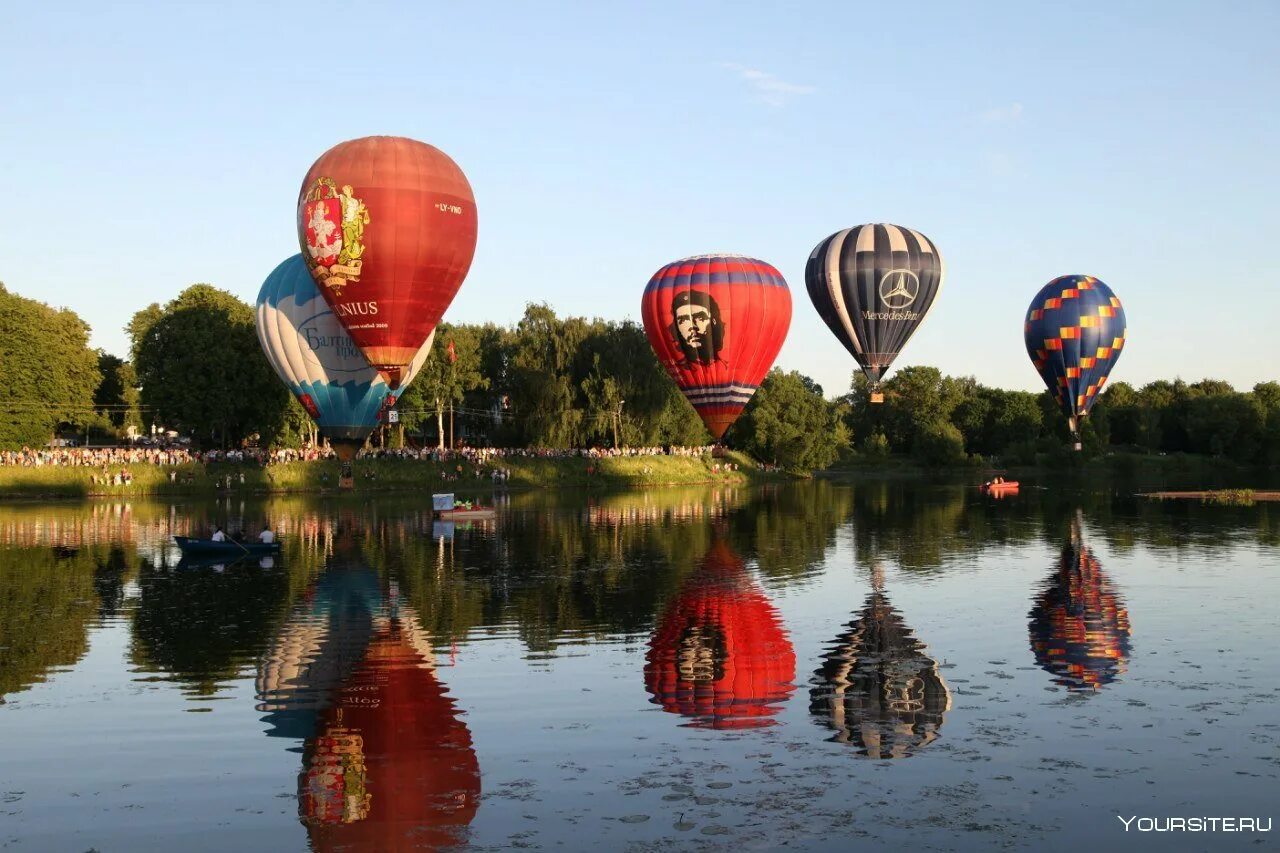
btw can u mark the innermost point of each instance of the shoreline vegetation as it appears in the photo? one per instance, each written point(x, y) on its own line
point(1218, 497)
point(384, 475)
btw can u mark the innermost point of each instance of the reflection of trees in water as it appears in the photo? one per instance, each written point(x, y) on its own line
point(1079, 625)
point(877, 688)
point(49, 598)
point(719, 654)
point(204, 625)
point(555, 565)
point(789, 528)
point(109, 575)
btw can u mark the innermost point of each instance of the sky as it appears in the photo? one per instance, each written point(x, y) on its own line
point(146, 147)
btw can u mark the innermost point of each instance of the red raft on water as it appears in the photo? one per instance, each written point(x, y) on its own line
point(445, 507)
point(1008, 487)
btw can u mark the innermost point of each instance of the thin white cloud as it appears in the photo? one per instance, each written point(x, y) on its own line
point(768, 88)
point(1001, 115)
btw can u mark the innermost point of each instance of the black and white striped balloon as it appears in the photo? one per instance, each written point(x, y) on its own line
point(874, 285)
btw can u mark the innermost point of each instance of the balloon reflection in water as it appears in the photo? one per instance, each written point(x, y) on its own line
point(1079, 625)
point(720, 655)
point(877, 688)
point(388, 762)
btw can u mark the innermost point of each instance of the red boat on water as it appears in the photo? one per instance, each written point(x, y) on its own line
point(445, 507)
point(997, 490)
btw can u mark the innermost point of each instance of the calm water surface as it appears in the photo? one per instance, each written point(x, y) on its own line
point(819, 666)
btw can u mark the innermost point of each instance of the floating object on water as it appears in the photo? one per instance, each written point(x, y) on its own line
point(191, 545)
point(443, 506)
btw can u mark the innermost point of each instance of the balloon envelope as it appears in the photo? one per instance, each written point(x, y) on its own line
point(1074, 332)
point(873, 285)
point(315, 357)
point(716, 323)
point(387, 227)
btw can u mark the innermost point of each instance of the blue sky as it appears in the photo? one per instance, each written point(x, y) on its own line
point(146, 147)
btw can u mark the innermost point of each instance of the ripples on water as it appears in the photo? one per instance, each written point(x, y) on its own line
point(813, 665)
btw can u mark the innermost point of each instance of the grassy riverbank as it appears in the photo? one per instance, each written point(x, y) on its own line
point(380, 475)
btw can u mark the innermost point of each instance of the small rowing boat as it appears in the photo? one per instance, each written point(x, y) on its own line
point(476, 512)
point(191, 545)
point(1009, 487)
point(444, 507)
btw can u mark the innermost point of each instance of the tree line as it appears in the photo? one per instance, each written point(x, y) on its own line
point(195, 366)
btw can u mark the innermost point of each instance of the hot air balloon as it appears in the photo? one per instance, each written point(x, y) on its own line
point(873, 285)
point(1074, 332)
point(720, 654)
point(387, 227)
point(315, 357)
point(1079, 625)
point(716, 323)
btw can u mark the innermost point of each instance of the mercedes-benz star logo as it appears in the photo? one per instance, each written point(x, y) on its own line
point(898, 289)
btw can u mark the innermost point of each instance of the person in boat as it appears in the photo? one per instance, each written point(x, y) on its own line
point(267, 537)
point(218, 535)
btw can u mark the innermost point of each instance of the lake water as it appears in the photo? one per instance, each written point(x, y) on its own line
point(818, 666)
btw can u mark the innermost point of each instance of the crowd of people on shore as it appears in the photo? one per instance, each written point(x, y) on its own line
point(96, 457)
point(110, 457)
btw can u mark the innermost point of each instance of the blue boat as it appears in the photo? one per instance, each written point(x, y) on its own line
point(227, 548)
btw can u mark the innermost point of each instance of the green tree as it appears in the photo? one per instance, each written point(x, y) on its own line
point(202, 371)
point(789, 424)
point(543, 393)
point(915, 396)
point(445, 379)
point(1124, 408)
point(48, 374)
point(116, 397)
point(938, 444)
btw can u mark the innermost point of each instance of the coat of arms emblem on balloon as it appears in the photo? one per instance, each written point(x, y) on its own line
point(334, 221)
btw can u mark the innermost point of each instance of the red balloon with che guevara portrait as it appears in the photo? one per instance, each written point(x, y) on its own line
point(716, 323)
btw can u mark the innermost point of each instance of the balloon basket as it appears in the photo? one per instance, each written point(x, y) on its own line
point(347, 483)
point(877, 397)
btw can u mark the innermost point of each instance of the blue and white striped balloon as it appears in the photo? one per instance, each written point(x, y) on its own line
point(315, 357)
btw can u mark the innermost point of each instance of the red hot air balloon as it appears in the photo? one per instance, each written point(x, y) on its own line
point(388, 229)
point(716, 323)
point(720, 654)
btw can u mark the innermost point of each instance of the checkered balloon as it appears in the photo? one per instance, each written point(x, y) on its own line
point(1075, 330)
